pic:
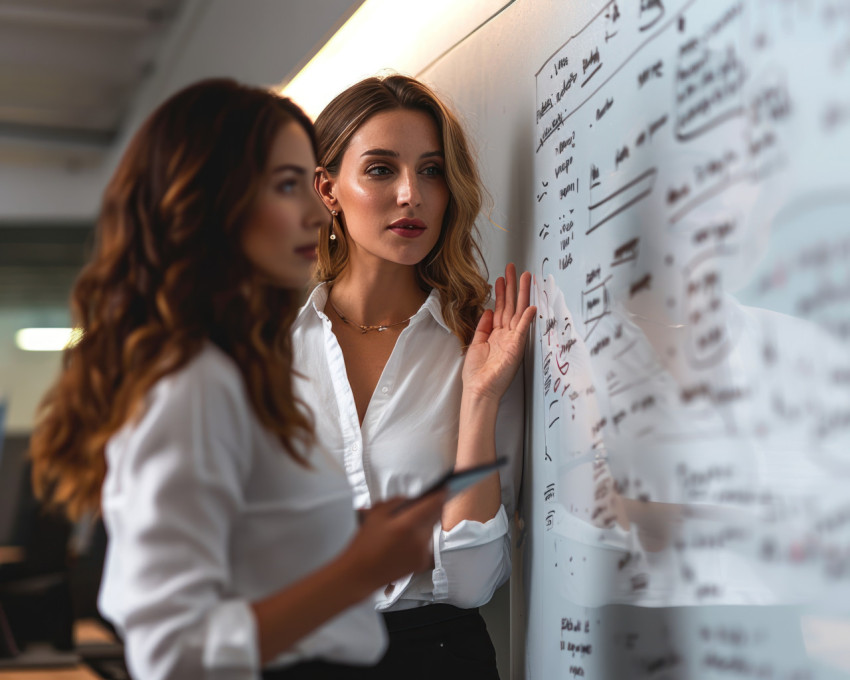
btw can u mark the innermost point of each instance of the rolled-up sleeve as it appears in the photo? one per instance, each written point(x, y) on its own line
point(171, 497)
point(471, 561)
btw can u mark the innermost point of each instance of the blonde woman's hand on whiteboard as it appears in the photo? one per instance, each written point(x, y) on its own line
point(498, 345)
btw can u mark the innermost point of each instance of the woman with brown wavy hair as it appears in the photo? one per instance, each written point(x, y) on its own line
point(232, 541)
point(406, 363)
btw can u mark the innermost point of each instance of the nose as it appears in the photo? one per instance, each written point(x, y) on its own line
point(408, 189)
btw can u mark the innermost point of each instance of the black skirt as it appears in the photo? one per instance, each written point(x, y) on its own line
point(436, 641)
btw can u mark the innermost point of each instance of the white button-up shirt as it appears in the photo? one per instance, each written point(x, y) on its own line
point(408, 437)
point(206, 513)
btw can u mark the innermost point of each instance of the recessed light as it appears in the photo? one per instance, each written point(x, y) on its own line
point(47, 339)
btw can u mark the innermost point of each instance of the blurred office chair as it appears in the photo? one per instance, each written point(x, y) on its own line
point(54, 584)
point(35, 595)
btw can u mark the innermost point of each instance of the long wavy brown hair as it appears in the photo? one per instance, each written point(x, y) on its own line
point(455, 266)
point(167, 275)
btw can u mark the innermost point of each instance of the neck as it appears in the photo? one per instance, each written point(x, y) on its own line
point(381, 295)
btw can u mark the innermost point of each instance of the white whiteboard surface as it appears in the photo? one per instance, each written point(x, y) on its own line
point(675, 173)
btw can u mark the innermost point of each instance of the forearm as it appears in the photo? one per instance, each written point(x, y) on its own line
point(491, 362)
point(476, 445)
point(291, 614)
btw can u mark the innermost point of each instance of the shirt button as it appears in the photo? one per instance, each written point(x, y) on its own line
point(385, 389)
point(355, 446)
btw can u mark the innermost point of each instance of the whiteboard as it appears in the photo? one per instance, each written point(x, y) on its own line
point(675, 174)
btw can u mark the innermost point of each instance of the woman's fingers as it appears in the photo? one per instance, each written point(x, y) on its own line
point(510, 296)
point(418, 521)
point(526, 320)
point(484, 327)
point(498, 312)
point(512, 305)
point(523, 298)
point(395, 540)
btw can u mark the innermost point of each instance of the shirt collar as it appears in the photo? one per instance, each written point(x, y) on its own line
point(319, 298)
point(316, 301)
point(432, 305)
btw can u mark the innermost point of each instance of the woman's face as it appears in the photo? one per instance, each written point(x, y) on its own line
point(281, 235)
point(391, 188)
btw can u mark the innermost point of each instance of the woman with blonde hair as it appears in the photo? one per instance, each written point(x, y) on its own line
point(233, 545)
point(405, 363)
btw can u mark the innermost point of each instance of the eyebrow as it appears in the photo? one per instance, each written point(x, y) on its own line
point(293, 168)
point(394, 154)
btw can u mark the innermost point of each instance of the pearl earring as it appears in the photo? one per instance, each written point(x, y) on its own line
point(334, 213)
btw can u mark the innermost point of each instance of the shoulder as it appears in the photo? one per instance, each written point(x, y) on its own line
point(196, 418)
point(207, 393)
point(209, 372)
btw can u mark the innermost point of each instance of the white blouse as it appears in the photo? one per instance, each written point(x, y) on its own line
point(206, 513)
point(408, 437)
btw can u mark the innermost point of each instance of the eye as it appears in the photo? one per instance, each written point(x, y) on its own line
point(378, 170)
point(287, 186)
point(433, 171)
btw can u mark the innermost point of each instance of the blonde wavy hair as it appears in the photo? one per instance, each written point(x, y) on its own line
point(455, 266)
point(167, 275)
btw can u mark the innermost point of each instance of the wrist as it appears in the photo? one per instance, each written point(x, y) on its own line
point(479, 403)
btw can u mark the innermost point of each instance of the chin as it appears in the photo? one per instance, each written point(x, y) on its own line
point(288, 280)
point(411, 259)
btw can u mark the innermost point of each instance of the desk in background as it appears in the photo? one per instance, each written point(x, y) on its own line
point(86, 632)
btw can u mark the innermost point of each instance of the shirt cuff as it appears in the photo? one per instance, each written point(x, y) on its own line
point(466, 534)
point(387, 596)
point(231, 640)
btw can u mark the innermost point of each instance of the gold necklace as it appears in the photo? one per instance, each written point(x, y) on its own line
point(365, 329)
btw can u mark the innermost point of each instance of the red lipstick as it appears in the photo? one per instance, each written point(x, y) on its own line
point(408, 227)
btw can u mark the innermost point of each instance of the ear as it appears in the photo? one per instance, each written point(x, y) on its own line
point(325, 184)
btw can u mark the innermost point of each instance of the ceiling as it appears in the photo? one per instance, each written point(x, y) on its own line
point(68, 73)
point(69, 70)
